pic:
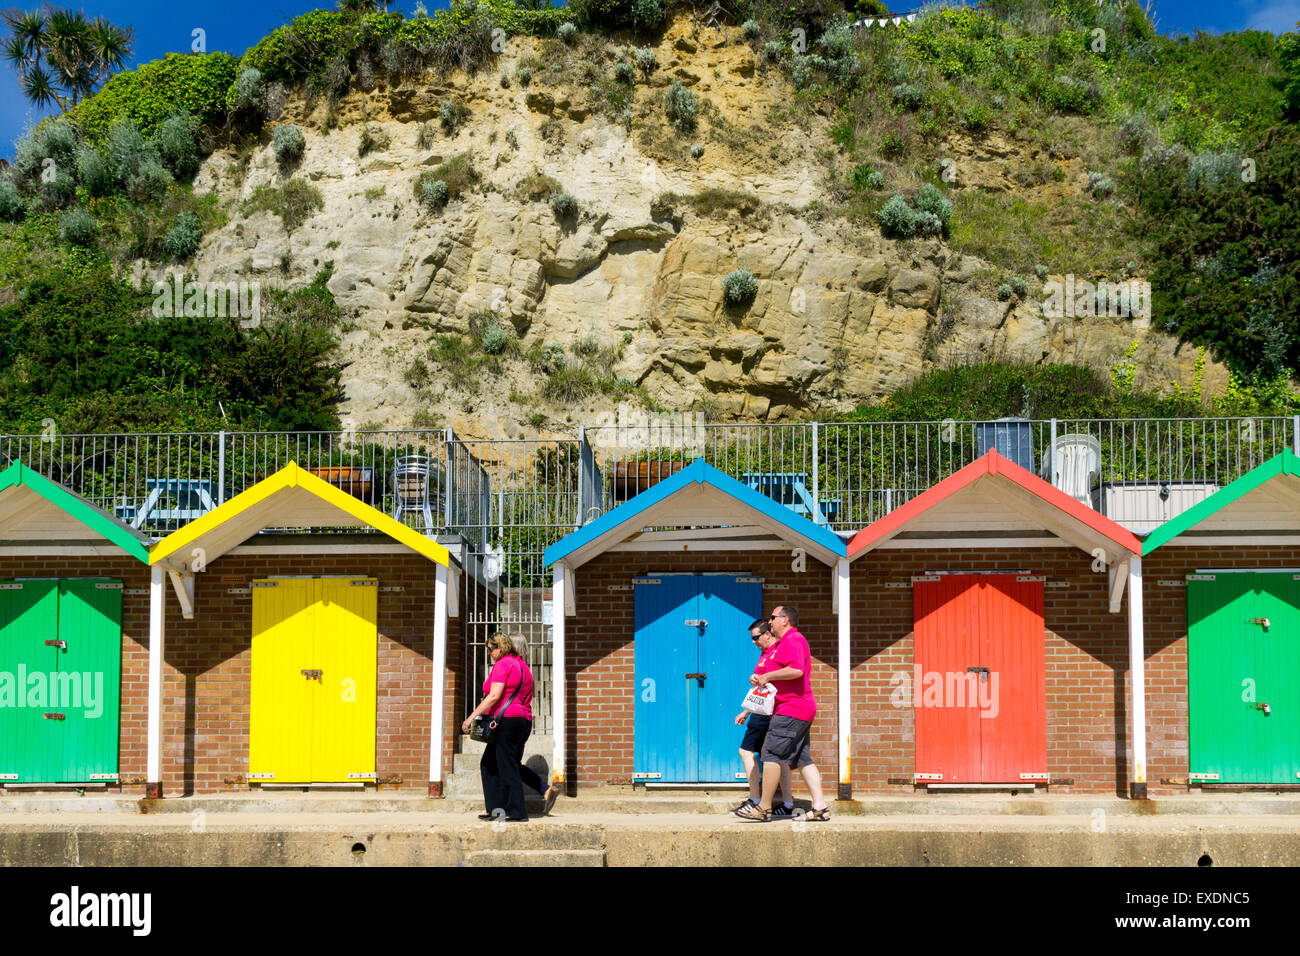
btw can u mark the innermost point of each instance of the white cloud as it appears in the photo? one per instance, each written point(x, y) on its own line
point(1275, 16)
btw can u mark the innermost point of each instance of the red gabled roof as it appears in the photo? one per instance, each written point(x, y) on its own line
point(992, 464)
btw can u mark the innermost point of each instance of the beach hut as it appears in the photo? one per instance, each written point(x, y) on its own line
point(1223, 630)
point(300, 660)
point(651, 605)
point(988, 647)
point(73, 609)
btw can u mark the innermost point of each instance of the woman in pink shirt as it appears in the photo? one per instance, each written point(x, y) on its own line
point(509, 698)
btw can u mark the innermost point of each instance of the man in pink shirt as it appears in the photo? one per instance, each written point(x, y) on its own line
point(786, 743)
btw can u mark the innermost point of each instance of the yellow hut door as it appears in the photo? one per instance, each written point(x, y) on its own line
point(315, 659)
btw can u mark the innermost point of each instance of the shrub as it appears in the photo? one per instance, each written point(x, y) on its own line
point(1019, 286)
point(289, 144)
point(624, 73)
point(647, 14)
point(1100, 185)
point(524, 75)
point(78, 227)
point(458, 173)
point(1005, 292)
point(739, 287)
point(182, 239)
point(551, 360)
point(773, 50)
point(1040, 270)
point(646, 61)
point(494, 338)
point(567, 32)
point(451, 113)
point(432, 191)
point(564, 205)
point(1210, 170)
point(681, 105)
point(505, 80)
point(198, 85)
point(1133, 134)
point(930, 199)
point(175, 144)
point(294, 202)
point(897, 219)
point(248, 92)
point(697, 150)
point(149, 181)
point(750, 29)
point(928, 224)
point(128, 155)
point(976, 116)
point(54, 140)
point(512, 139)
point(417, 373)
point(11, 204)
point(93, 172)
point(909, 95)
point(865, 179)
point(373, 138)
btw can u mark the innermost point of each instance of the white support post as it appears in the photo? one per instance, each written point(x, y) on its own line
point(438, 720)
point(157, 619)
point(1137, 679)
point(844, 716)
point(559, 586)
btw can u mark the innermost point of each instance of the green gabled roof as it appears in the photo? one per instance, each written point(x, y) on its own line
point(1284, 463)
point(95, 519)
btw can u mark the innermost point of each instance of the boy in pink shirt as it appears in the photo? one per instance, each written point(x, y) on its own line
point(786, 743)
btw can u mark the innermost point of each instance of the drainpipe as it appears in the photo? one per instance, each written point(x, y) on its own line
point(157, 618)
point(559, 583)
point(438, 719)
point(844, 717)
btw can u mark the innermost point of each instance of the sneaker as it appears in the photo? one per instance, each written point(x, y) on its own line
point(550, 796)
point(781, 810)
point(749, 802)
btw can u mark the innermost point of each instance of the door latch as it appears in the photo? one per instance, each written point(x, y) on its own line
point(312, 674)
point(1265, 708)
point(693, 622)
point(1261, 621)
point(982, 671)
point(54, 717)
point(61, 645)
point(698, 677)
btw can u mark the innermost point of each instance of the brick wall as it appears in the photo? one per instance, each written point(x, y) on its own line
point(1165, 639)
point(600, 653)
point(206, 672)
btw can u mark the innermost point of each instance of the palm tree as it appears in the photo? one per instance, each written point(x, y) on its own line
point(60, 56)
point(362, 6)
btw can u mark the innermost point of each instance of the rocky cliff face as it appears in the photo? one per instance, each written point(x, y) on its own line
point(841, 315)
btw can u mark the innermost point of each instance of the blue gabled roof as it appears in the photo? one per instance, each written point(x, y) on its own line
point(697, 472)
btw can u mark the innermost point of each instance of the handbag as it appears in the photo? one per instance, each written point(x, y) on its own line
point(485, 727)
point(760, 700)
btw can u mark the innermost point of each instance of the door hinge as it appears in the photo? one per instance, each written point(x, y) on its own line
point(8, 776)
point(647, 581)
point(103, 776)
point(362, 776)
point(1202, 776)
point(264, 584)
point(1034, 776)
point(365, 584)
point(11, 586)
point(927, 776)
point(1030, 578)
point(261, 776)
point(110, 586)
point(1202, 577)
point(647, 776)
point(926, 578)
point(749, 580)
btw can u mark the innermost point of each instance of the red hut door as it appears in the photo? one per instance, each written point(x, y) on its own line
point(979, 689)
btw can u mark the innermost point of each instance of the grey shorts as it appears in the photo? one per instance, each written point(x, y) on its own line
point(787, 742)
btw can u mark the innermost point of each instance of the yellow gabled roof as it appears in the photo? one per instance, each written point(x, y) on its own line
point(291, 498)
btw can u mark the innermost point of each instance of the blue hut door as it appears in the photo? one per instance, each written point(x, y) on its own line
point(693, 661)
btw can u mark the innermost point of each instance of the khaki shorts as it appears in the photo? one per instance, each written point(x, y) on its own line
point(787, 742)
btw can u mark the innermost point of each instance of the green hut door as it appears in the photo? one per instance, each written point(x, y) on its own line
point(60, 674)
point(1244, 677)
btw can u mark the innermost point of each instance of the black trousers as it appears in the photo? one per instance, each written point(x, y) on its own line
point(502, 771)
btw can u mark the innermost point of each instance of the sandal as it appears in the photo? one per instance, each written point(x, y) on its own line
point(818, 816)
point(755, 813)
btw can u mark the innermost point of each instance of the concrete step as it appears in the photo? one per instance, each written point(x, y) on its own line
point(535, 858)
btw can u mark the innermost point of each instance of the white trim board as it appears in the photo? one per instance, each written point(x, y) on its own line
point(1047, 541)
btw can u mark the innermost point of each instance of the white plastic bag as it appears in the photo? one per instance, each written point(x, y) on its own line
point(760, 700)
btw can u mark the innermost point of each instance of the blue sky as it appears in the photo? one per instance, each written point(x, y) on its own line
point(234, 25)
